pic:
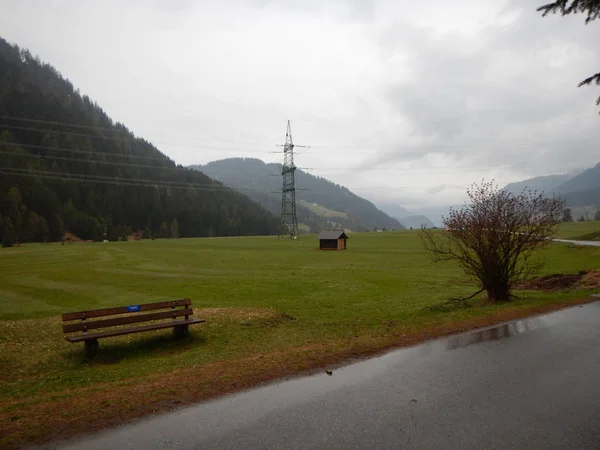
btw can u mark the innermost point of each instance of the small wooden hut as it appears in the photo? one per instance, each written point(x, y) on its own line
point(332, 240)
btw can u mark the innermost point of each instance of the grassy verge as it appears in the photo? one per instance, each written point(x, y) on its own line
point(582, 231)
point(273, 308)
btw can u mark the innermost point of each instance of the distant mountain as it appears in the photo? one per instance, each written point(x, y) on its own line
point(67, 166)
point(435, 213)
point(323, 205)
point(580, 188)
point(407, 218)
point(396, 211)
point(590, 197)
point(589, 179)
point(546, 184)
point(417, 222)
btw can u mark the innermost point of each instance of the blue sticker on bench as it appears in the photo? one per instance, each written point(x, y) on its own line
point(133, 308)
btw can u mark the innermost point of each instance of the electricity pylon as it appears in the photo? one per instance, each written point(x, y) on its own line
point(289, 221)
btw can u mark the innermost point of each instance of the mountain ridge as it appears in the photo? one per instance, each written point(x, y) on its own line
point(585, 181)
point(417, 221)
point(67, 166)
point(544, 183)
point(254, 177)
point(577, 189)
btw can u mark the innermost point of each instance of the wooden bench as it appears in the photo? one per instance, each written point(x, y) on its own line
point(177, 313)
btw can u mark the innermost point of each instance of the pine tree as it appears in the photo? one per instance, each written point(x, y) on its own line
point(31, 227)
point(15, 205)
point(597, 215)
point(164, 231)
point(591, 8)
point(8, 232)
point(97, 231)
point(58, 228)
point(567, 215)
point(43, 230)
point(147, 233)
point(174, 229)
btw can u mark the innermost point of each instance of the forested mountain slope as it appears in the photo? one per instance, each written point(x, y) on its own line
point(590, 197)
point(321, 205)
point(546, 183)
point(579, 189)
point(66, 166)
point(585, 181)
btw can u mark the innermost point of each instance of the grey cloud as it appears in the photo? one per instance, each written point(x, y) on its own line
point(474, 100)
point(436, 189)
point(391, 88)
point(355, 10)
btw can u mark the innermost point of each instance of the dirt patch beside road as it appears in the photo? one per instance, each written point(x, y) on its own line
point(563, 281)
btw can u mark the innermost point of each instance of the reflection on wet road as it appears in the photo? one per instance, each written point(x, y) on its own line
point(529, 384)
point(503, 331)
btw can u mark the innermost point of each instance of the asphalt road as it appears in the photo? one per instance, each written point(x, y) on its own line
point(584, 243)
point(532, 384)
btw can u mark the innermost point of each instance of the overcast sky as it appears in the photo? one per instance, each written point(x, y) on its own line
point(403, 101)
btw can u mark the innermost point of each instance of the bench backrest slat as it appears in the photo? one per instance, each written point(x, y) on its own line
point(132, 318)
point(123, 309)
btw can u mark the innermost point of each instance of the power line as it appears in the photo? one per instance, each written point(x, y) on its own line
point(86, 180)
point(168, 168)
point(134, 137)
point(358, 149)
point(89, 161)
point(69, 133)
point(167, 160)
point(137, 157)
point(160, 184)
point(121, 139)
point(131, 135)
point(117, 180)
point(84, 151)
point(68, 124)
point(153, 184)
point(115, 130)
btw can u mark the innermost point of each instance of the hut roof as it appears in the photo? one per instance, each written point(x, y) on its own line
point(332, 235)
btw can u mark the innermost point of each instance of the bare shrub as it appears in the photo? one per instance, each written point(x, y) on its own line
point(494, 236)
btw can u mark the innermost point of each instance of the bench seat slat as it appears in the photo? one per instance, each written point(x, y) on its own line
point(133, 318)
point(120, 332)
point(123, 310)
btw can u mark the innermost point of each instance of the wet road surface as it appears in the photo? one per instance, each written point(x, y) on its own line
point(530, 384)
point(584, 243)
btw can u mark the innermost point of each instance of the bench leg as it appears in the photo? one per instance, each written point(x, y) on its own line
point(90, 347)
point(180, 331)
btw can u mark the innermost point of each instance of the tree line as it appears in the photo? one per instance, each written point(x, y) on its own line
point(567, 216)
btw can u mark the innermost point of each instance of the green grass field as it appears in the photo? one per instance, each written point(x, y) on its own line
point(248, 289)
point(585, 231)
point(322, 210)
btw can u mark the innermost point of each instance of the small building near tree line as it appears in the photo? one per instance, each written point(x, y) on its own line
point(332, 240)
